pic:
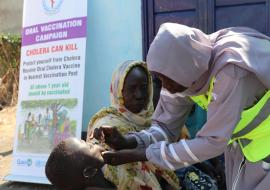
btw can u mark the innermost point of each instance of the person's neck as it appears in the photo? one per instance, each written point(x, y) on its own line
point(101, 183)
point(99, 188)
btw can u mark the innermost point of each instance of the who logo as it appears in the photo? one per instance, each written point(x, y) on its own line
point(51, 6)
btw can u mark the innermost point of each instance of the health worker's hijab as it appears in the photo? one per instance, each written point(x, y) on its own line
point(191, 58)
point(180, 53)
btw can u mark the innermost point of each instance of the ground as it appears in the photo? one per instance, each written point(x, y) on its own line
point(7, 131)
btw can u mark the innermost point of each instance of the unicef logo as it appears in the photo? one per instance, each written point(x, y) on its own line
point(51, 6)
point(27, 162)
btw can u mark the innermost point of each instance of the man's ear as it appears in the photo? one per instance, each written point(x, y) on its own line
point(89, 172)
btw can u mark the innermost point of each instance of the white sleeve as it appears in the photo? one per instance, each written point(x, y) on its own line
point(231, 96)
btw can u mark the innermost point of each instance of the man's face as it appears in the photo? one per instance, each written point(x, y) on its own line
point(83, 155)
point(169, 84)
point(135, 90)
point(89, 153)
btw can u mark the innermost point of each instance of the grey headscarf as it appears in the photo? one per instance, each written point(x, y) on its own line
point(180, 52)
point(191, 58)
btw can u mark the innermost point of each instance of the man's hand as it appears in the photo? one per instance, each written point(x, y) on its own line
point(113, 138)
point(124, 156)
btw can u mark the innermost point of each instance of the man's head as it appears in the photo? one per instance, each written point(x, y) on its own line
point(74, 164)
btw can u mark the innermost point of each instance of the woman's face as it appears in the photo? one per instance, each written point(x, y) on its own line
point(169, 84)
point(135, 90)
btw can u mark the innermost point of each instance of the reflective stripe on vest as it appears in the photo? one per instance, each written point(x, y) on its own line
point(253, 130)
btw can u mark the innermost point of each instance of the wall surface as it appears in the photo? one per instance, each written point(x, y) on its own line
point(11, 16)
point(114, 36)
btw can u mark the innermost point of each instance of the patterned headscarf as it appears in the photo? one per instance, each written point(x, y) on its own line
point(116, 91)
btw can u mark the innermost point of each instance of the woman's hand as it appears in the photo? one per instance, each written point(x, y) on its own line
point(124, 156)
point(113, 138)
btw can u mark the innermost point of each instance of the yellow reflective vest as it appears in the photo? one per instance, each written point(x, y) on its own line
point(252, 132)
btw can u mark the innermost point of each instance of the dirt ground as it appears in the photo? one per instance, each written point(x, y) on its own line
point(7, 130)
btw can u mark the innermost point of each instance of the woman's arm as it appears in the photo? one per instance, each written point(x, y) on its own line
point(233, 88)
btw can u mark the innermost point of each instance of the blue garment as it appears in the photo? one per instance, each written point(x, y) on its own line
point(196, 120)
point(193, 179)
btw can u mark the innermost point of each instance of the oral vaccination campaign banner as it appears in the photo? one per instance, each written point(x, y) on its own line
point(51, 83)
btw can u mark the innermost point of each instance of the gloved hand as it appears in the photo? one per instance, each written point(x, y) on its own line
point(124, 156)
point(113, 138)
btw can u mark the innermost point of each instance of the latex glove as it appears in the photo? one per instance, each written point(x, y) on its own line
point(124, 156)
